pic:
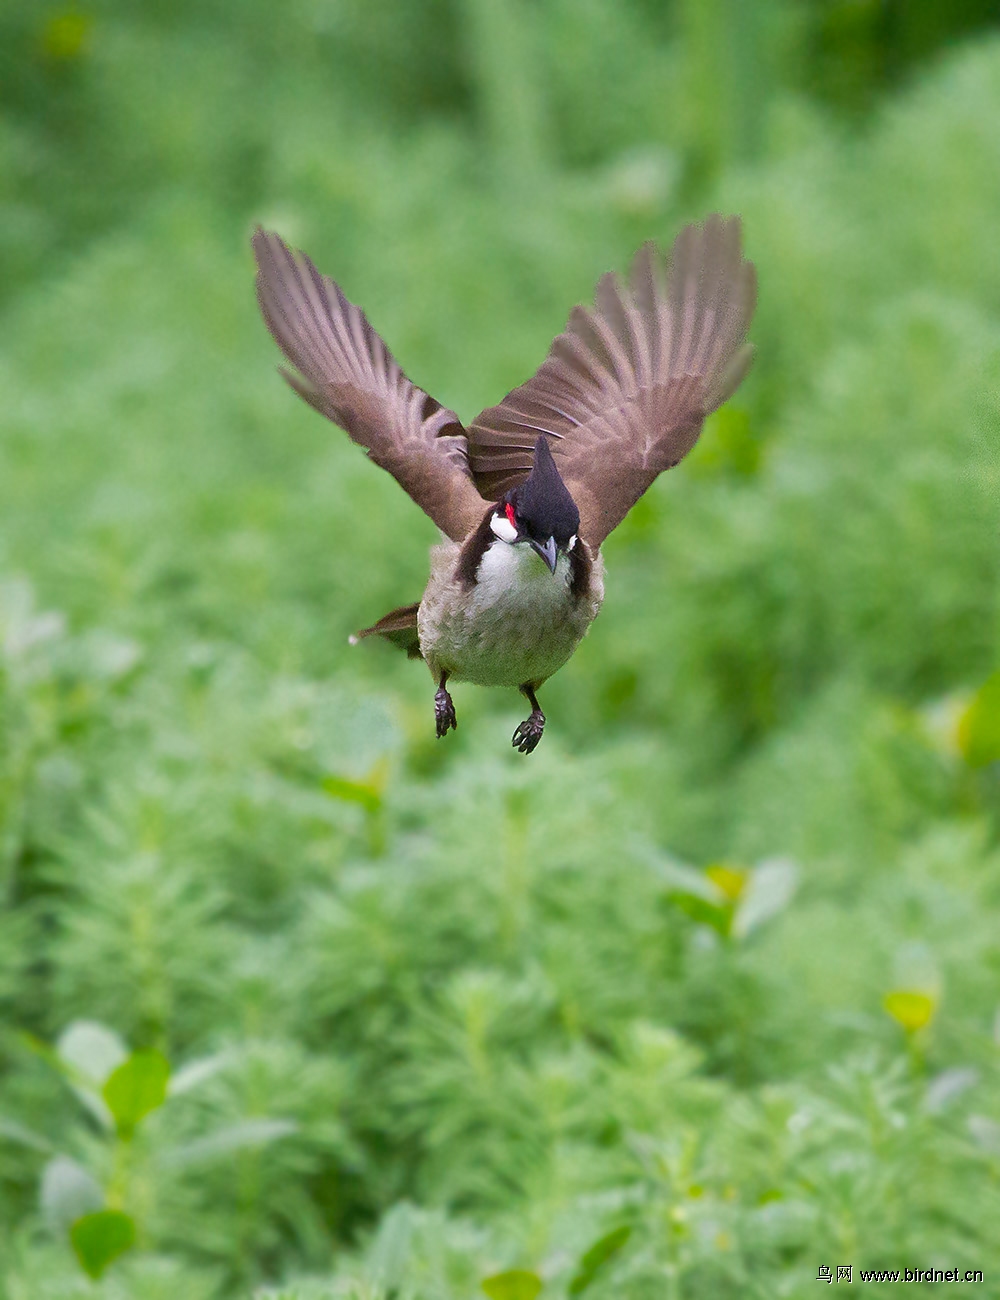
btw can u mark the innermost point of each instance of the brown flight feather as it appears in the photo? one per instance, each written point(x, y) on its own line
point(348, 374)
point(625, 388)
point(622, 394)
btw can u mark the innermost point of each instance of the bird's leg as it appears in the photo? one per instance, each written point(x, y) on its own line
point(444, 709)
point(529, 732)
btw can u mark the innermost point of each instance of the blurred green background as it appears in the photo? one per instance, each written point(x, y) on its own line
point(703, 996)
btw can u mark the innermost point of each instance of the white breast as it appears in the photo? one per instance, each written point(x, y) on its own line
point(519, 623)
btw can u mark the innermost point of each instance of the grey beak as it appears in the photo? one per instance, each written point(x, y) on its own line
point(547, 550)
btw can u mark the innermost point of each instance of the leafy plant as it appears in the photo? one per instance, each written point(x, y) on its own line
point(119, 1090)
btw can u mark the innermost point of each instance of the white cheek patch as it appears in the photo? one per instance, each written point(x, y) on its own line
point(503, 528)
point(571, 543)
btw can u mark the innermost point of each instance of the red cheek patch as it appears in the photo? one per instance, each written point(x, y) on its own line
point(510, 515)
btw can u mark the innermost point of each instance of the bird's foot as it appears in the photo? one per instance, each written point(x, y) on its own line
point(444, 713)
point(529, 732)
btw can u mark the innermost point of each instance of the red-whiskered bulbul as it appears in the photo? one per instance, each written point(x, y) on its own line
point(528, 492)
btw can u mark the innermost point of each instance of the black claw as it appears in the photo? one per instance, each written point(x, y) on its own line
point(529, 732)
point(444, 713)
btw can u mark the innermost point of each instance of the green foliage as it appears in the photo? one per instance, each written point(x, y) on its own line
point(979, 727)
point(136, 1087)
point(98, 1239)
point(719, 962)
point(597, 1256)
point(515, 1284)
point(132, 1086)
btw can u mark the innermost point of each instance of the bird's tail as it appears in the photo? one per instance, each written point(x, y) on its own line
point(399, 626)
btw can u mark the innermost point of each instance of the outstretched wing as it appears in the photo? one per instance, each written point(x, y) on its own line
point(625, 388)
point(348, 374)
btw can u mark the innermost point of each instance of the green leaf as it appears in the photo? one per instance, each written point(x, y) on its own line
point(979, 725)
point(597, 1256)
point(86, 1055)
point(769, 889)
point(719, 918)
point(605, 1247)
point(246, 1135)
point(98, 1239)
point(341, 787)
point(678, 877)
point(90, 1051)
point(695, 893)
point(389, 1252)
point(368, 792)
point(985, 1133)
point(513, 1285)
point(911, 1008)
point(24, 1136)
point(194, 1074)
point(66, 35)
point(728, 879)
point(138, 1086)
point(67, 1191)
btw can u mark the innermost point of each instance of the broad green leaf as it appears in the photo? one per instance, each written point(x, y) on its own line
point(65, 36)
point(979, 725)
point(195, 1073)
point(90, 1051)
point(359, 792)
point(949, 1084)
point(696, 893)
point(717, 916)
point(513, 1285)
point(98, 1239)
point(94, 1102)
point(985, 1133)
point(108, 656)
point(605, 1247)
point(245, 1136)
point(138, 1086)
point(67, 1191)
point(86, 1054)
point(769, 888)
point(389, 1252)
point(599, 1253)
point(910, 1008)
point(26, 1137)
point(679, 878)
point(729, 880)
point(941, 722)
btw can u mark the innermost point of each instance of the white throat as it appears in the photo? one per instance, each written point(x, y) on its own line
point(515, 576)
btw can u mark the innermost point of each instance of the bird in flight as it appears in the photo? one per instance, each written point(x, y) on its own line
point(526, 494)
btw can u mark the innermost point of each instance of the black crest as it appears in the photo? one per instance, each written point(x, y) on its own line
point(542, 504)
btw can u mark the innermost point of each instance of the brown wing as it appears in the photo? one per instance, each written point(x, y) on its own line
point(624, 390)
point(348, 374)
